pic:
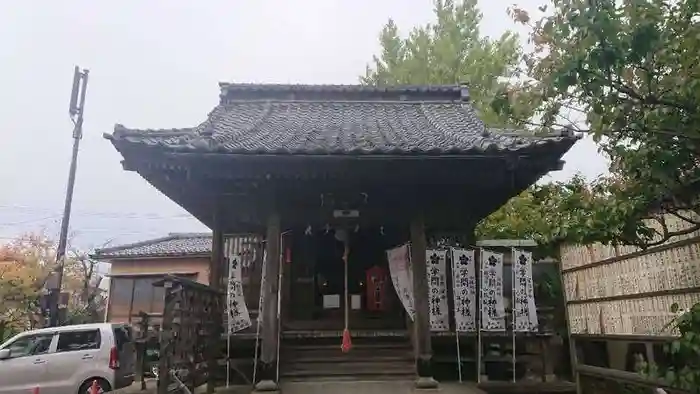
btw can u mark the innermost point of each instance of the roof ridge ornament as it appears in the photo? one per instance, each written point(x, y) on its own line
point(464, 92)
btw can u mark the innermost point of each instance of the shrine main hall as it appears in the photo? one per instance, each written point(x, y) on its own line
point(326, 179)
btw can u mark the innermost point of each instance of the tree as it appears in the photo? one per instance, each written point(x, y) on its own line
point(630, 67)
point(453, 50)
point(87, 305)
point(25, 265)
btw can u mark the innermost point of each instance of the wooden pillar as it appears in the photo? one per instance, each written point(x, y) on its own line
point(267, 367)
point(424, 359)
point(216, 270)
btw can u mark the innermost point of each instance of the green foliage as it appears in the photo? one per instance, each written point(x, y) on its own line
point(683, 370)
point(452, 50)
point(627, 68)
point(687, 350)
point(630, 69)
point(25, 264)
point(575, 211)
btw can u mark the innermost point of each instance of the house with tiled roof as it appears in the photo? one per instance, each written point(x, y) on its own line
point(135, 266)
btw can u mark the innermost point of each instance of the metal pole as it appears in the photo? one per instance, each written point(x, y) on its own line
point(261, 299)
point(453, 262)
point(63, 237)
point(281, 261)
point(513, 313)
point(479, 315)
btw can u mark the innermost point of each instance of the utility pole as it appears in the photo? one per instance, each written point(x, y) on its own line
point(76, 111)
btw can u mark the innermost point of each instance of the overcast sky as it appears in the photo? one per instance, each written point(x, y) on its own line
point(157, 64)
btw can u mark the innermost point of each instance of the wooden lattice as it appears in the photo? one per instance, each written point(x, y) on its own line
point(190, 333)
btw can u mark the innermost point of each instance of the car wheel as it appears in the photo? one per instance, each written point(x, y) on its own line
point(102, 386)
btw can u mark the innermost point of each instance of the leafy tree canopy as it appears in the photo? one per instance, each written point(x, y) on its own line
point(25, 264)
point(627, 68)
point(452, 50)
point(630, 68)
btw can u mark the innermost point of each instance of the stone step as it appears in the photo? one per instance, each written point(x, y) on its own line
point(362, 368)
point(336, 353)
point(344, 358)
point(356, 345)
point(352, 378)
point(326, 336)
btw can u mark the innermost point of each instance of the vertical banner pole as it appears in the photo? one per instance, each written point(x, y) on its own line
point(346, 332)
point(513, 268)
point(228, 359)
point(478, 316)
point(459, 356)
point(261, 300)
point(346, 341)
point(456, 307)
point(228, 322)
point(280, 261)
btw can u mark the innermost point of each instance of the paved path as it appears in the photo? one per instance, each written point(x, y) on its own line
point(366, 387)
point(339, 387)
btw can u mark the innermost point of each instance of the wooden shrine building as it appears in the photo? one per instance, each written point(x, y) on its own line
point(305, 167)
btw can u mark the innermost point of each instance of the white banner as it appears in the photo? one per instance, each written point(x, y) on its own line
point(464, 289)
point(402, 276)
point(436, 271)
point(523, 299)
point(493, 316)
point(238, 317)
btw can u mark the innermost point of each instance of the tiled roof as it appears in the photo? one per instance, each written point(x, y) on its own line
point(340, 120)
point(174, 245)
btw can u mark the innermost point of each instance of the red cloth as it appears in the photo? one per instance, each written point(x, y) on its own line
point(347, 341)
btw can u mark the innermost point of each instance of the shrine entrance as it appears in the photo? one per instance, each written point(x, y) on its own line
point(316, 282)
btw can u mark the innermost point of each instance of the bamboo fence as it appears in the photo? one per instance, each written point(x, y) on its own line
point(624, 290)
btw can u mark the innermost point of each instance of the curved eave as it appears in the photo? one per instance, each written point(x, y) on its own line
point(179, 141)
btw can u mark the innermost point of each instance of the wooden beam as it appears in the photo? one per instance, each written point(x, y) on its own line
point(216, 269)
point(216, 264)
point(268, 356)
point(424, 352)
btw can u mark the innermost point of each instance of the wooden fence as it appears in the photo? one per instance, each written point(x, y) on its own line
point(620, 296)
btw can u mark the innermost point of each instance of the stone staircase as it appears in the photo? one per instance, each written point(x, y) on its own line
point(371, 358)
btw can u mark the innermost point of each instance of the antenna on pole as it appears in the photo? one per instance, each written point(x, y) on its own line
point(77, 76)
point(76, 111)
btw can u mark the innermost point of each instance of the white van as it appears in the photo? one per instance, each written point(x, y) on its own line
point(66, 360)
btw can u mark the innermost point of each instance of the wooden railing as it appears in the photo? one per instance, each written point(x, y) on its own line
point(597, 380)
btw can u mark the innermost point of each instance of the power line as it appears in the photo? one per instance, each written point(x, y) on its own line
point(112, 215)
point(29, 221)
